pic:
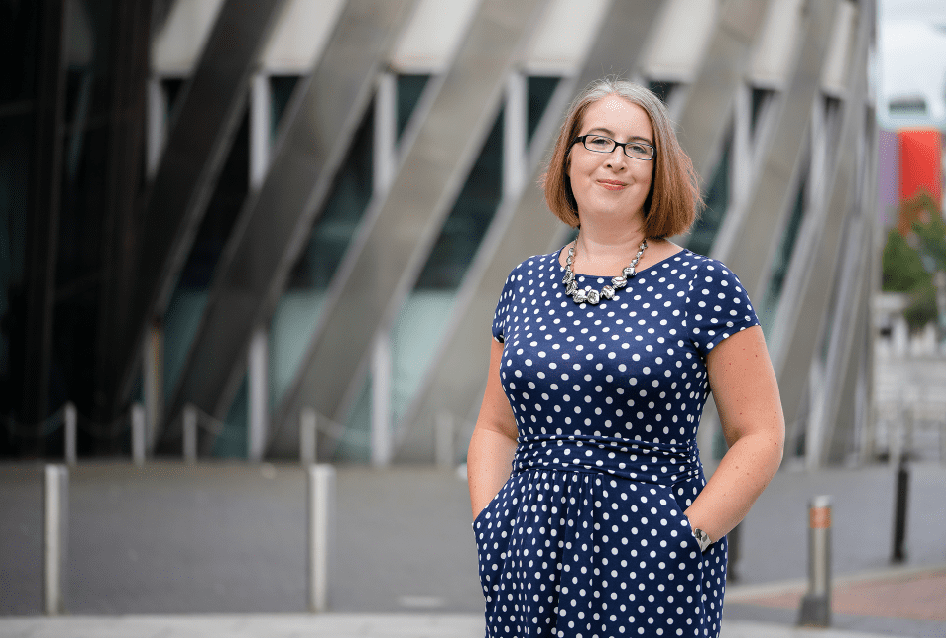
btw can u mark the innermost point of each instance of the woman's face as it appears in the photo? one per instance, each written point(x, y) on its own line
point(612, 184)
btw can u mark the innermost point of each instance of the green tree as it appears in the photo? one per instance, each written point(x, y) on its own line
point(908, 266)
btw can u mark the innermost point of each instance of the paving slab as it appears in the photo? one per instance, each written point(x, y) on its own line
point(327, 625)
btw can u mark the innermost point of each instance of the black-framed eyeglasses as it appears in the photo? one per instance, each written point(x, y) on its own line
point(602, 144)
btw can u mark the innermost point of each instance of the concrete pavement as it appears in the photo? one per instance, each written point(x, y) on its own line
point(218, 549)
point(327, 626)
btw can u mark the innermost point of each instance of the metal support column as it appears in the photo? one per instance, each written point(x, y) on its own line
point(42, 232)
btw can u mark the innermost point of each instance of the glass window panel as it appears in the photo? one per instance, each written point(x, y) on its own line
point(189, 298)
point(782, 259)
point(541, 89)
point(301, 303)
point(471, 215)
point(760, 99)
point(19, 50)
point(409, 89)
point(15, 159)
point(282, 87)
point(716, 197)
point(221, 214)
point(233, 438)
point(420, 323)
point(171, 87)
point(662, 89)
point(346, 204)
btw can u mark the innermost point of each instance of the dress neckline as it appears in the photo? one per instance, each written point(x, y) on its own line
point(561, 268)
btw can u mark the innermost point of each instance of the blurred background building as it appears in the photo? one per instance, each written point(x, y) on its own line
point(267, 209)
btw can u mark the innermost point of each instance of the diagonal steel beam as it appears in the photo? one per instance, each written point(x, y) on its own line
point(710, 98)
point(198, 142)
point(315, 136)
point(397, 236)
point(454, 382)
point(773, 190)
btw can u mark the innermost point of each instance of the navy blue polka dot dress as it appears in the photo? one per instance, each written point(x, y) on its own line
point(588, 537)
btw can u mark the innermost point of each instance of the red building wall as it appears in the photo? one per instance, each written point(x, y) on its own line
point(921, 159)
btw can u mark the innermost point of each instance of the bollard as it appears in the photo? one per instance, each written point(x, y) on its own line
point(70, 418)
point(734, 553)
point(320, 485)
point(138, 434)
point(443, 440)
point(816, 605)
point(55, 517)
point(190, 434)
point(308, 434)
point(899, 554)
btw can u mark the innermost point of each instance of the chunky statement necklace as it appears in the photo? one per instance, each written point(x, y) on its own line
point(589, 294)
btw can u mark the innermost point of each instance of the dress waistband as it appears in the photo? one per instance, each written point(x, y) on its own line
point(640, 461)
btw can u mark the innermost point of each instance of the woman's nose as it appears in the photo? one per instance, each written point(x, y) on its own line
point(617, 157)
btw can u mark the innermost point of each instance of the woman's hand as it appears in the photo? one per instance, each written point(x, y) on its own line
point(743, 383)
point(493, 445)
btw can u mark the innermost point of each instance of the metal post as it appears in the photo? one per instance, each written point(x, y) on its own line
point(55, 517)
point(385, 133)
point(900, 513)
point(443, 440)
point(733, 551)
point(70, 421)
point(258, 374)
point(190, 434)
point(308, 437)
point(321, 506)
point(261, 104)
point(139, 434)
point(157, 106)
point(381, 389)
point(816, 605)
point(515, 135)
point(153, 379)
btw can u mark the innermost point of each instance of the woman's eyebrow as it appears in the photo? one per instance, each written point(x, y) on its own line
point(610, 133)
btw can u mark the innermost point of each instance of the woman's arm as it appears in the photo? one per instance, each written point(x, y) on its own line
point(489, 459)
point(744, 388)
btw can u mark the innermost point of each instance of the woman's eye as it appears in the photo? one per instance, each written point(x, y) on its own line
point(599, 142)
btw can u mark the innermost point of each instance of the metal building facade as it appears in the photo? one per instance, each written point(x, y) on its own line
point(333, 192)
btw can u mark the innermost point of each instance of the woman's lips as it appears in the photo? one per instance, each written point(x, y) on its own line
point(612, 185)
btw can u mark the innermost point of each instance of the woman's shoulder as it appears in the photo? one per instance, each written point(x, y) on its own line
point(700, 264)
point(536, 264)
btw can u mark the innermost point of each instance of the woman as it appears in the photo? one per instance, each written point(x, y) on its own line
point(603, 356)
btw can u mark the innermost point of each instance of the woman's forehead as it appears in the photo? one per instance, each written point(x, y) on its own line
point(617, 115)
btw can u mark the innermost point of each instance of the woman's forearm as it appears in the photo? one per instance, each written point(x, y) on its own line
point(742, 475)
point(488, 464)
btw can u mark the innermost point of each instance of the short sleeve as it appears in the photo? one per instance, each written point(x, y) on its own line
point(717, 306)
point(502, 307)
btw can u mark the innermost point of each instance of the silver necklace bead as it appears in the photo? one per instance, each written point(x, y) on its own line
point(589, 294)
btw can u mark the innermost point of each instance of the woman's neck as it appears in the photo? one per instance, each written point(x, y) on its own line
point(605, 248)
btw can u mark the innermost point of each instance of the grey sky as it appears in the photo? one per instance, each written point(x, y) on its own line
point(911, 58)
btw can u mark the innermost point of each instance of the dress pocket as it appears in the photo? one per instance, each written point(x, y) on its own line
point(684, 538)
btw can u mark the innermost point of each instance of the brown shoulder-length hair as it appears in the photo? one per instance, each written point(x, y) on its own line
point(674, 199)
